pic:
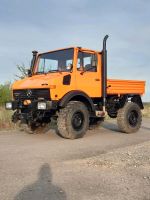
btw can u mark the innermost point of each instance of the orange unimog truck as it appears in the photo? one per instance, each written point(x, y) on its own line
point(71, 86)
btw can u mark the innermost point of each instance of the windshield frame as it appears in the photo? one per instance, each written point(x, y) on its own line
point(53, 71)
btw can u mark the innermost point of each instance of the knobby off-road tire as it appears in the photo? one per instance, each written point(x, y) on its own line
point(73, 120)
point(129, 118)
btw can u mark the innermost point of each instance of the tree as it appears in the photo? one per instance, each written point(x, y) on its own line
point(22, 71)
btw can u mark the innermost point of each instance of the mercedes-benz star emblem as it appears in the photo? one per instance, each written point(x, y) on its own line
point(29, 93)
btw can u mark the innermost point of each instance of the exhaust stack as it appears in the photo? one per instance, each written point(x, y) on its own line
point(34, 53)
point(104, 72)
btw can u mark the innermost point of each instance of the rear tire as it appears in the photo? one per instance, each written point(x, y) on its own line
point(129, 118)
point(73, 120)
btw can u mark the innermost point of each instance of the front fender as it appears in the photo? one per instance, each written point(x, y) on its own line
point(76, 95)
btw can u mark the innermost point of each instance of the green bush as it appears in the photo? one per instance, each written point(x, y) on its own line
point(5, 93)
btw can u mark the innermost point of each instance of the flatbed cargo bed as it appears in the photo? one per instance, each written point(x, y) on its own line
point(116, 86)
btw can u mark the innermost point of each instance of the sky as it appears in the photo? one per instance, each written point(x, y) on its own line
point(44, 25)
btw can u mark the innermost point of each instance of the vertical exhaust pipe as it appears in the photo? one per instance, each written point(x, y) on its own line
point(30, 71)
point(34, 53)
point(104, 73)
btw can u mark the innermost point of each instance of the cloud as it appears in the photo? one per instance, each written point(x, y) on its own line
point(49, 24)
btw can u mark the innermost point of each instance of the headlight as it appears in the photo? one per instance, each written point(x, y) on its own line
point(8, 105)
point(41, 105)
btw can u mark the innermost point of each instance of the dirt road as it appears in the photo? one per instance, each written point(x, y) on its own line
point(105, 164)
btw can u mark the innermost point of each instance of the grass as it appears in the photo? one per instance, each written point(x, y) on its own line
point(6, 123)
point(146, 111)
point(5, 119)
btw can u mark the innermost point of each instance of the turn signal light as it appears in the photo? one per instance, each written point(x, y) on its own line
point(26, 102)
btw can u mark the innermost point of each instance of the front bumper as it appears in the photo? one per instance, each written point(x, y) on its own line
point(33, 105)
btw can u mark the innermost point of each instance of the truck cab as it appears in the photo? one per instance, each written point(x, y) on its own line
point(63, 71)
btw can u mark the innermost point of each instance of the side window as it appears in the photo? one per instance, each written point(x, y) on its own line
point(87, 62)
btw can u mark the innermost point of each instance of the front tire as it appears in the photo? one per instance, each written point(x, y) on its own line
point(73, 120)
point(129, 118)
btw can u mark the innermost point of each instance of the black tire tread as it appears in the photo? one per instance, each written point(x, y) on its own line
point(122, 123)
point(62, 120)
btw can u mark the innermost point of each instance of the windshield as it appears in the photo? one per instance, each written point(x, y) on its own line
point(56, 61)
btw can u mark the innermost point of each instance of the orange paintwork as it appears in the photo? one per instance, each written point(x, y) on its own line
point(88, 82)
point(125, 87)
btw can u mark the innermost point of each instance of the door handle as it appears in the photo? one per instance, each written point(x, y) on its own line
point(97, 79)
point(44, 84)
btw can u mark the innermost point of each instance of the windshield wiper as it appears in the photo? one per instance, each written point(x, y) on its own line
point(51, 71)
point(39, 73)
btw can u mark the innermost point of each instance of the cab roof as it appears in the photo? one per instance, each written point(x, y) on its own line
point(81, 48)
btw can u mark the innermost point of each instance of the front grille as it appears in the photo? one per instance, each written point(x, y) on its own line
point(31, 94)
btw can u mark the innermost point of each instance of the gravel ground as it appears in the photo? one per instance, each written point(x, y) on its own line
point(119, 174)
point(104, 165)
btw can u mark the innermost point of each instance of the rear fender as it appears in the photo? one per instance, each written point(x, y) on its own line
point(137, 99)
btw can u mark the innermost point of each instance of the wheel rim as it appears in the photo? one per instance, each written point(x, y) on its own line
point(133, 118)
point(77, 120)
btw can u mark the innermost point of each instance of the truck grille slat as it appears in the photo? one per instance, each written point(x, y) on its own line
point(31, 94)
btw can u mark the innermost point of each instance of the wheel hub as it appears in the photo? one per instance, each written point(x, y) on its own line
point(133, 118)
point(77, 120)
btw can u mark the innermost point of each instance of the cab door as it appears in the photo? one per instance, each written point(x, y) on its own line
point(88, 75)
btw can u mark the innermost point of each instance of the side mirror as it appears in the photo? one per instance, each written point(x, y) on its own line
point(82, 72)
point(29, 72)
